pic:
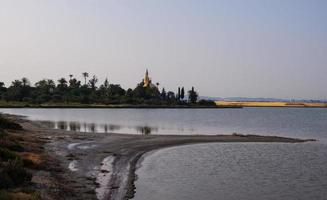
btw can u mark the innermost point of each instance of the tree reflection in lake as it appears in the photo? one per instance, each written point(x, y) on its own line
point(98, 128)
point(62, 125)
point(110, 127)
point(92, 128)
point(146, 130)
point(74, 126)
point(49, 124)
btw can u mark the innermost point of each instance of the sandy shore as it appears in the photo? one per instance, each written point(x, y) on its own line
point(102, 166)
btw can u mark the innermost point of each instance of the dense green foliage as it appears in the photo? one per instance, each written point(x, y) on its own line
point(89, 91)
point(192, 96)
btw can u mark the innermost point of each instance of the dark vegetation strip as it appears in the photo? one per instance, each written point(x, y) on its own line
point(122, 106)
point(13, 172)
point(89, 91)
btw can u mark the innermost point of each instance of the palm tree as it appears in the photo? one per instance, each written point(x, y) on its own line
point(85, 74)
point(17, 83)
point(25, 82)
point(70, 77)
point(62, 84)
point(93, 82)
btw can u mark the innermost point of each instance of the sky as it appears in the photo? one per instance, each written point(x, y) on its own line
point(224, 48)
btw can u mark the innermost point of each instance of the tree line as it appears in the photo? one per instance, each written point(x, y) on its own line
point(88, 91)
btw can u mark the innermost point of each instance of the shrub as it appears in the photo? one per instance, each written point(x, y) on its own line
point(14, 174)
point(5, 195)
point(6, 155)
point(2, 134)
point(203, 102)
point(10, 144)
point(7, 124)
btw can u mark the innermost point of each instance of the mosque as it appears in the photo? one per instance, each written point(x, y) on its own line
point(147, 82)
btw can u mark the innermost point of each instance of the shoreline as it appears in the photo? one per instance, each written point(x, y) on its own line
point(136, 162)
point(119, 107)
point(225, 105)
point(88, 151)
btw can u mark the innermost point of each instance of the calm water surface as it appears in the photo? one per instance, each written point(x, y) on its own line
point(296, 122)
point(235, 171)
point(215, 171)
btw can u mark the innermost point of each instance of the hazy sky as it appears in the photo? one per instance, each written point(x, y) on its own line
point(250, 48)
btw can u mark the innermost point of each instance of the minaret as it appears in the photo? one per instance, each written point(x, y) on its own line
point(146, 79)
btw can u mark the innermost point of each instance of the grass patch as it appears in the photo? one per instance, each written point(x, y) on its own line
point(12, 171)
point(5, 195)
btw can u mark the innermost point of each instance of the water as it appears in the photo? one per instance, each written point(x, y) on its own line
point(235, 171)
point(215, 171)
point(294, 122)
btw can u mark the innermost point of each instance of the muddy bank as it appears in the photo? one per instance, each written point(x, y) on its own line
point(102, 166)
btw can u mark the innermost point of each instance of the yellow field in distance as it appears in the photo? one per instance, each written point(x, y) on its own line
point(269, 104)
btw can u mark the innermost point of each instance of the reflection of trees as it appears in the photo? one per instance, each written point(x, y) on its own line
point(49, 124)
point(105, 128)
point(146, 130)
point(92, 127)
point(110, 127)
point(74, 126)
point(114, 127)
point(84, 127)
point(62, 125)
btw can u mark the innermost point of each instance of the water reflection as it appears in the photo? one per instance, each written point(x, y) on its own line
point(146, 130)
point(49, 124)
point(92, 128)
point(98, 128)
point(74, 126)
point(62, 125)
point(110, 127)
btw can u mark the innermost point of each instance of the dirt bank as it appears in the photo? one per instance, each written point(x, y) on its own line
point(102, 166)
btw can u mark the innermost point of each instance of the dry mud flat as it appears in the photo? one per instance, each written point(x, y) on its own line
point(102, 166)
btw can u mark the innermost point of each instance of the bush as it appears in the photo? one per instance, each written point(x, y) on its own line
point(2, 134)
point(203, 102)
point(13, 174)
point(5, 195)
point(10, 144)
point(85, 100)
point(6, 155)
point(57, 98)
point(7, 124)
